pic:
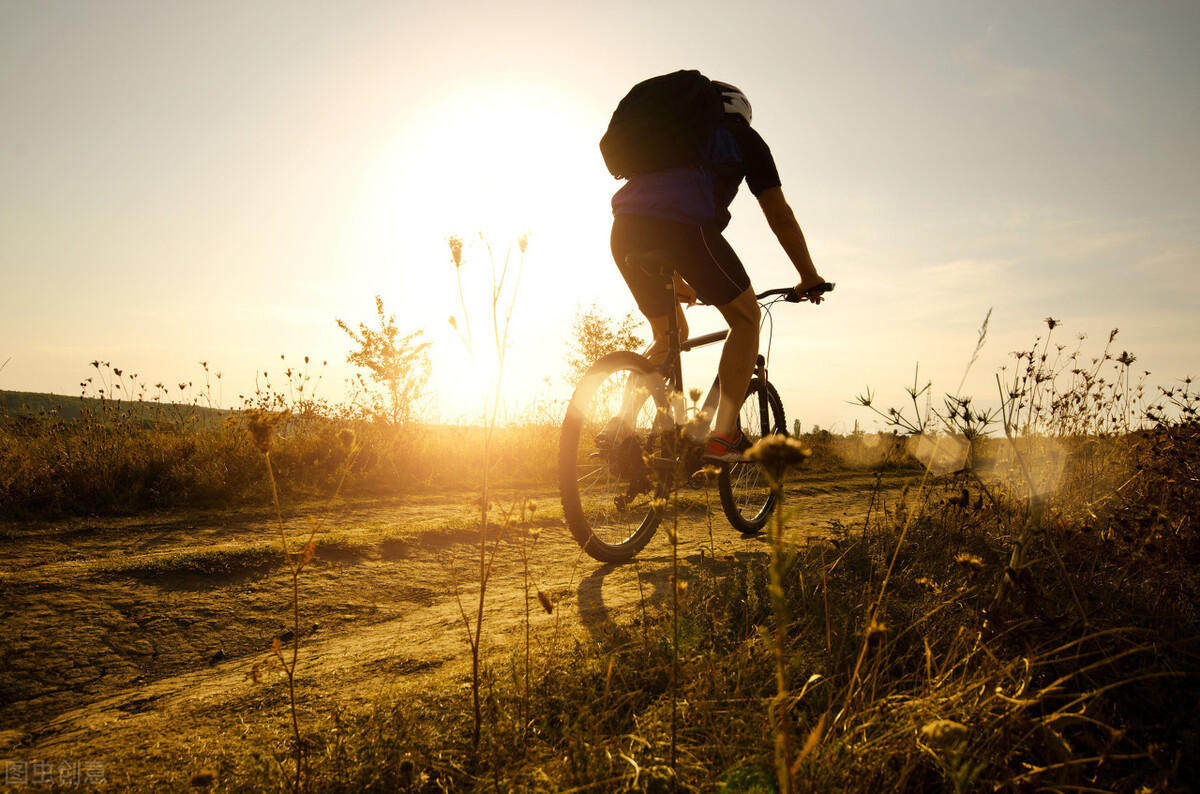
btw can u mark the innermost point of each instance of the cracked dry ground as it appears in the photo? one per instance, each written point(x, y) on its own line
point(117, 648)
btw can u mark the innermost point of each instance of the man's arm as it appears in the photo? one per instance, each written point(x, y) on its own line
point(783, 223)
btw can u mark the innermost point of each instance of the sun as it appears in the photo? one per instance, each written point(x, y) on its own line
point(490, 165)
point(499, 160)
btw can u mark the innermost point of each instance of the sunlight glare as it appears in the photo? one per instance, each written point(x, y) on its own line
point(495, 160)
point(488, 165)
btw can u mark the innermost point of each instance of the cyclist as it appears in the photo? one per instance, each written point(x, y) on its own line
point(683, 212)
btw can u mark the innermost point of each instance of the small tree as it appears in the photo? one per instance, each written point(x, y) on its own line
point(595, 334)
point(398, 364)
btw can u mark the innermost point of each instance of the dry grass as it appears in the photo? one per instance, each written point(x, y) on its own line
point(916, 652)
point(1085, 679)
point(1023, 618)
point(53, 468)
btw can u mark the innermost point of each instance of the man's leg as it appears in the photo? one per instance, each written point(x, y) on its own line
point(737, 359)
point(659, 327)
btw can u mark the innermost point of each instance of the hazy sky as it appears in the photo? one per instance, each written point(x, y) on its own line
point(219, 181)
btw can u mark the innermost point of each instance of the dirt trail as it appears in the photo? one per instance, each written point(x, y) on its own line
point(113, 650)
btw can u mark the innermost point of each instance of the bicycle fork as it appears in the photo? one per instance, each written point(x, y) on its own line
point(764, 412)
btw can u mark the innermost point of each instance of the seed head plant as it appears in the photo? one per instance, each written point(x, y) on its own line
point(261, 426)
point(504, 280)
point(775, 455)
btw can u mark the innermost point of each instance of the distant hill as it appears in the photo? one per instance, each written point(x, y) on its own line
point(14, 404)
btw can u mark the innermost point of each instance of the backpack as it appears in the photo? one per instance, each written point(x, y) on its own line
point(662, 123)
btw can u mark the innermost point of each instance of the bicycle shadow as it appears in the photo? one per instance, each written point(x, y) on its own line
point(635, 588)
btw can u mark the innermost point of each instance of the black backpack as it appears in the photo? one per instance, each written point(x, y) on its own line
point(662, 123)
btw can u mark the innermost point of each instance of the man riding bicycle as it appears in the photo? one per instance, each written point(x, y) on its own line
point(682, 212)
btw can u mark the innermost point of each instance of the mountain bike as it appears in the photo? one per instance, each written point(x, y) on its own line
point(629, 438)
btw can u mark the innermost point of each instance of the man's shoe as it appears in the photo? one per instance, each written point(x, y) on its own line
point(719, 448)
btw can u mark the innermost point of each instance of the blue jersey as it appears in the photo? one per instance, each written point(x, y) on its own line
point(700, 195)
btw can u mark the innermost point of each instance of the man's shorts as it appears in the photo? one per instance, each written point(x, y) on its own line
point(700, 254)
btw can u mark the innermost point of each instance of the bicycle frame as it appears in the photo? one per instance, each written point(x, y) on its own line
point(672, 365)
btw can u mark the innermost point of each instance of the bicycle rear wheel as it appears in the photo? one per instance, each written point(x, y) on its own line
point(746, 495)
point(609, 473)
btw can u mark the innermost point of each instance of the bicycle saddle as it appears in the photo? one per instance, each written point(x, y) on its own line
point(651, 261)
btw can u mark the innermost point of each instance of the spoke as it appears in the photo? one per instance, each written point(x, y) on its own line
point(608, 469)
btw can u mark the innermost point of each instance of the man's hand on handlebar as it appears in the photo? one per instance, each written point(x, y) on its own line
point(813, 290)
point(813, 293)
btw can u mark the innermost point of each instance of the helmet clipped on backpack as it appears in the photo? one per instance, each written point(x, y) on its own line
point(735, 101)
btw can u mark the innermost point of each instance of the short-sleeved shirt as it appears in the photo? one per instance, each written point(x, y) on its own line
point(701, 194)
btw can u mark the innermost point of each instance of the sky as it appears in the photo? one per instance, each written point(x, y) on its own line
point(222, 181)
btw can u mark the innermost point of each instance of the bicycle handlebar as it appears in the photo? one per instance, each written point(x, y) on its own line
point(790, 295)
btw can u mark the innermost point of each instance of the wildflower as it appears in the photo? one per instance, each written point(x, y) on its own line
point(1051, 323)
point(972, 562)
point(775, 453)
point(456, 245)
point(925, 583)
point(523, 241)
point(694, 394)
point(261, 425)
point(876, 629)
point(545, 601)
point(943, 732)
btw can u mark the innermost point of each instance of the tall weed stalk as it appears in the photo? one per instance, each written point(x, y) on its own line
point(775, 455)
point(504, 280)
point(261, 427)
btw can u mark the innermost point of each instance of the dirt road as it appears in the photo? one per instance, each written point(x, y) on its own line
point(130, 642)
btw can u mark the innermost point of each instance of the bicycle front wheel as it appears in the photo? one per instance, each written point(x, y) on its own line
point(746, 495)
point(610, 457)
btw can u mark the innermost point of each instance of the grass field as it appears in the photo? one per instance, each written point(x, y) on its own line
point(1012, 615)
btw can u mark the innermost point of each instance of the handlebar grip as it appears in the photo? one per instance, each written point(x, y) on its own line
point(791, 296)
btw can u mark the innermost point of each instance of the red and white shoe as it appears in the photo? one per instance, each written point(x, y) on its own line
point(719, 448)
